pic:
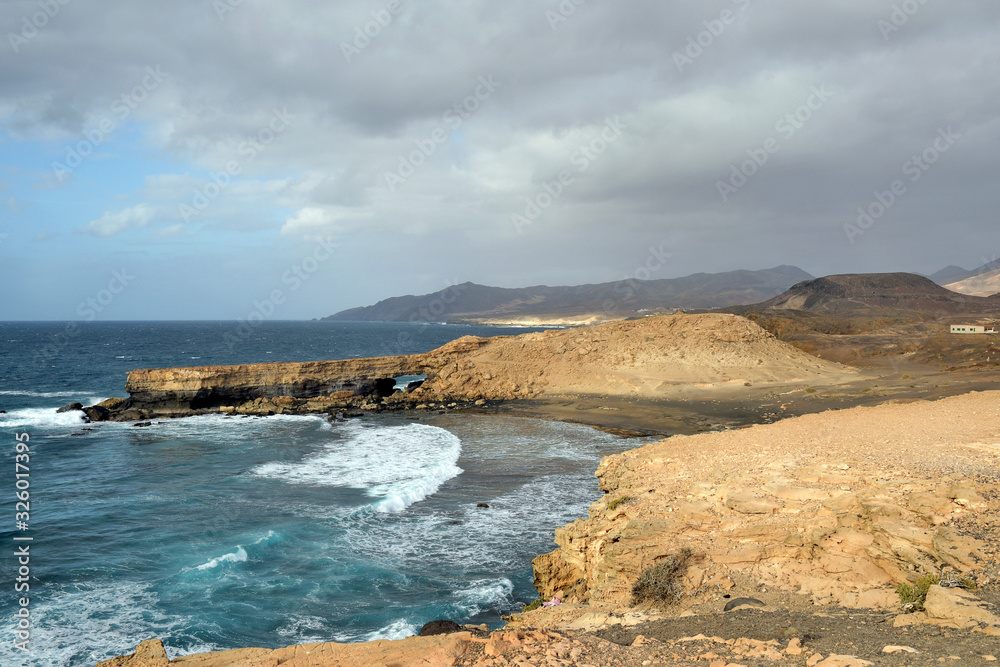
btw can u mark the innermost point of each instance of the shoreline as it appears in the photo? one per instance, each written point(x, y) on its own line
point(788, 624)
point(726, 395)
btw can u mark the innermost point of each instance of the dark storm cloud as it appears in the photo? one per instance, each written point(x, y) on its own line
point(700, 89)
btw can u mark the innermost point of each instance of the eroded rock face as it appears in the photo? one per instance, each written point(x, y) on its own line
point(149, 653)
point(839, 506)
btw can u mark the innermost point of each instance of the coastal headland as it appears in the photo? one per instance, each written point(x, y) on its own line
point(655, 358)
point(856, 536)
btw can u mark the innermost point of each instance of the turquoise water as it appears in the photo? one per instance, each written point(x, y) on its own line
point(218, 532)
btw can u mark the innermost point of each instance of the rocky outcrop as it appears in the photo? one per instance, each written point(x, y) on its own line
point(149, 653)
point(839, 507)
point(647, 357)
point(434, 651)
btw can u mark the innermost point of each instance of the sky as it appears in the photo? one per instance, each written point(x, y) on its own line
point(210, 159)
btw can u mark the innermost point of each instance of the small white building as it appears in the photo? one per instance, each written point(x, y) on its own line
point(972, 329)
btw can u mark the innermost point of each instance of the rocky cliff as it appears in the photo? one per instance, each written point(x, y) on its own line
point(831, 509)
point(838, 507)
point(646, 357)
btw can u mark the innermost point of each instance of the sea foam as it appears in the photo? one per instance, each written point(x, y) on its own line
point(398, 465)
point(40, 418)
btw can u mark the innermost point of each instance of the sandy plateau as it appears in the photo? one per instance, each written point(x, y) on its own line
point(803, 527)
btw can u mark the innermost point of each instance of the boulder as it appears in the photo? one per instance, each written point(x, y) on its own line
point(70, 407)
point(149, 653)
point(439, 627)
point(96, 413)
point(958, 608)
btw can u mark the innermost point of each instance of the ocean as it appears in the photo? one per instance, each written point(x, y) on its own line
point(218, 532)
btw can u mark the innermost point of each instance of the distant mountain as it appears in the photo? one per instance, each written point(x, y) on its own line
point(983, 284)
point(953, 274)
point(950, 274)
point(470, 302)
point(875, 294)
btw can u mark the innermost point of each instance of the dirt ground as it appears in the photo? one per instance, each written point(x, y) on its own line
point(750, 638)
point(699, 409)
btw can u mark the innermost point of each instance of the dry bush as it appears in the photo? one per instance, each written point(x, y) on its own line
point(662, 582)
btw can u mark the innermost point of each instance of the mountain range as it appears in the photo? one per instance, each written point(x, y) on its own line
point(583, 304)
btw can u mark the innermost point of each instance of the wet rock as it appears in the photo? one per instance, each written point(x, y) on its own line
point(70, 407)
point(439, 627)
point(97, 414)
point(142, 424)
point(483, 505)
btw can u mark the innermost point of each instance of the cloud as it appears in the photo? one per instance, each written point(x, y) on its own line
point(111, 224)
point(698, 96)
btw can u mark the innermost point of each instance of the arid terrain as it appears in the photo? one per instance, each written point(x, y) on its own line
point(810, 523)
point(819, 465)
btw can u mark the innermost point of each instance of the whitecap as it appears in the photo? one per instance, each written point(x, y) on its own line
point(86, 623)
point(238, 556)
point(38, 394)
point(485, 594)
point(398, 629)
point(40, 418)
point(266, 538)
point(398, 465)
point(305, 629)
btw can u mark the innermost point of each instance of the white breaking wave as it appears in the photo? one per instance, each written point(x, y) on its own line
point(40, 394)
point(238, 556)
point(40, 418)
point(88, 623)
point(305, 629)
point(485, 594)
point(266, 538)
point(399, 465)
point(399, 629)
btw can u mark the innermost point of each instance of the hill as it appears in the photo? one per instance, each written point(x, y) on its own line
point(880, 319)
point(588, 304)
point(983, 284)
point(875, 294)
point(950, 274)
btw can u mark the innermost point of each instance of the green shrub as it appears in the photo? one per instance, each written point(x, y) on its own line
point(613, 505)
point(533, 606)
point(810, 390)
point(661, 582)
point(913, 597)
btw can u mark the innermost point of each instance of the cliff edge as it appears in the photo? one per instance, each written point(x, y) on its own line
point(648, 358)
point(813, 521)
point(836, 508)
